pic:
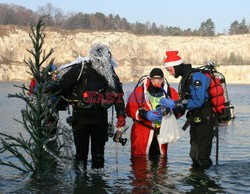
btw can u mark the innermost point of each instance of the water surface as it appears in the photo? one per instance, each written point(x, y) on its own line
point(125, 175)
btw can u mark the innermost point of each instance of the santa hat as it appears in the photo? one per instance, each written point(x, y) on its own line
point(172, 59)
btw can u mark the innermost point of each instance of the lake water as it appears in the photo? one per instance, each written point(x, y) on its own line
point(123, 175)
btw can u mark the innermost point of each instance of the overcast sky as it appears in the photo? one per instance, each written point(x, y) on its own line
point(182, 13)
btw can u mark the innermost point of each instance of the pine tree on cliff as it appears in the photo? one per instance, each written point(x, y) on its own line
point(28, 149)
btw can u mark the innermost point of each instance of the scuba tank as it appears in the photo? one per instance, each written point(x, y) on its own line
point(141, 80)
point(229, 108)
point(63, 69)
point(228, 113)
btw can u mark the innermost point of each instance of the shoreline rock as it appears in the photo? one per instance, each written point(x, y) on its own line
point(137, 55)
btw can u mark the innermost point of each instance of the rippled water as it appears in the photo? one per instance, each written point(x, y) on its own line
point(123, 175)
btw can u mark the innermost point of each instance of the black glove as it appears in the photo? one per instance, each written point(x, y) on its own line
point(179, 105)
point(142, 113)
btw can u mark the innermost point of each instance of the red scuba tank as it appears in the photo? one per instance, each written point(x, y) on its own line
point(216, 92)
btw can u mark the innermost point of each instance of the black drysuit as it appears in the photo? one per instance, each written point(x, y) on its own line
point(90, 117)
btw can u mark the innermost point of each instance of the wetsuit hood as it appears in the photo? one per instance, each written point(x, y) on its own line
point(182, 69)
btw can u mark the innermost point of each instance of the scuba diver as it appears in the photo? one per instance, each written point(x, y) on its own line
point(92, 86)
point(194, 91)
point(143, 108)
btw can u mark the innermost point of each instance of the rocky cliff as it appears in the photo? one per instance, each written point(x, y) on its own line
point(135, 54)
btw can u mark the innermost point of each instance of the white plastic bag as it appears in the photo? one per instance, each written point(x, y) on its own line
point(169, 131)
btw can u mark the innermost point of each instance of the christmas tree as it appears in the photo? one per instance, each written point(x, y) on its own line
point(39, 115)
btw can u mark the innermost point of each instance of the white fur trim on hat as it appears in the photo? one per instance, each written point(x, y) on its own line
point(173, 63)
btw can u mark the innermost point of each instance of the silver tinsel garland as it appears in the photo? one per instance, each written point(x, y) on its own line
point(101, 59)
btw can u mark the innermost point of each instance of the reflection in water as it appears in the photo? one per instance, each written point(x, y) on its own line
point(64, 142)
point(90, 183)
point(148, 173)
point(201, 182)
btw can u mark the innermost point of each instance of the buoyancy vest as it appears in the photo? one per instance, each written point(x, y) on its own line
point(145, 96)
point(215, 89)
point(167, 92)
point(81, 92)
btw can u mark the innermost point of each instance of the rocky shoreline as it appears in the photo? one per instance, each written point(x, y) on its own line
point(137, 55)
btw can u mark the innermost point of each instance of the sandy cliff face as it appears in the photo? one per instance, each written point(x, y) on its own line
point(135, 54)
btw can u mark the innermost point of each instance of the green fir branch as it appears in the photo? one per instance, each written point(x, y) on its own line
point(13, 150)
point(10, 164)
point(35, 115)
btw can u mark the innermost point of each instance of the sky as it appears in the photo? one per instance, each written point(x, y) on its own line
point(182, 13)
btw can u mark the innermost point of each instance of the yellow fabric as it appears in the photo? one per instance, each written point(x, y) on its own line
point(155, 101)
